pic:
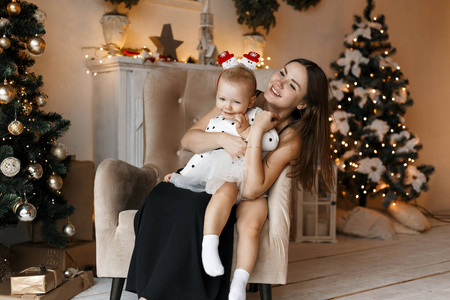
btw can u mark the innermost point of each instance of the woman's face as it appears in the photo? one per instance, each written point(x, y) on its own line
point(288, 87)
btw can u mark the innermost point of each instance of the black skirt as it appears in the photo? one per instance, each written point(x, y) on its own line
point(166, 261)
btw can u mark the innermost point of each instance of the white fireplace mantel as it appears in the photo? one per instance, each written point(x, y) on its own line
point(117, 99)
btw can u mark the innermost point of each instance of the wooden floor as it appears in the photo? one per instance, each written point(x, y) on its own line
point(412, 267)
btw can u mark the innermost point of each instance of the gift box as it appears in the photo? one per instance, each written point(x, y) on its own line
point(78, 190)
point(67, 290)
point(80, 255)
point(35, 281)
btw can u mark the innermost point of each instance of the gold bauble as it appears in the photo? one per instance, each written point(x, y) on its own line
point(26, 108)
point(13, 8)
point(59, 151)
point(55, 182)
point(15, 127)
point(35, 171)
point(26, 212)
point(40, 100)
point(68, 229)
point(4, 22)
point(5, 43)
point(7, 93)
point(36, 45)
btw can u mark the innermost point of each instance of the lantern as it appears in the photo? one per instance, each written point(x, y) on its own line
point(315, 214)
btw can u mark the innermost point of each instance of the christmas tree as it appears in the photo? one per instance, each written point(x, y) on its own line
point(372, 146)
point(33, 164)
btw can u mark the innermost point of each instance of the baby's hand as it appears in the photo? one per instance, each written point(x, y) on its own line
point(167, 177)
point(242, 124)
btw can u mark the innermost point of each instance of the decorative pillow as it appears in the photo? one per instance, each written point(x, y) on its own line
point(364, 222)
point(409, 216)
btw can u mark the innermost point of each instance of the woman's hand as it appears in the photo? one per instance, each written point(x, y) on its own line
point(266, 120)
point(234, 145)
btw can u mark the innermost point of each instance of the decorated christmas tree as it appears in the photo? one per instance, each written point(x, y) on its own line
point(33, 163)
point(374, 149)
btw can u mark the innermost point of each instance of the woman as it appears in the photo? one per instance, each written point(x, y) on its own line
point(166, 262)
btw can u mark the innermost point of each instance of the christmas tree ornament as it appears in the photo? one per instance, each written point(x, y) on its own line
point(40, 16)
point(55, 182)
point(36, 137)
point(7, 93)
point(10, 166)
point(36, 45)
point(4, 22)
point(15, 127)
point(68, 230)
point(13, 8)
point(5, 43)
point(26, 107)
point(41, 100)
point(59, 151)
point(166, 45)
point(35, 171)
point(26, 212)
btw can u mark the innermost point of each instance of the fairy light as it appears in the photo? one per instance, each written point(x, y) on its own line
point(393, 152)
point(405, 164)
point(357, 196)
point(365, 118)
point(355, 39)
point(384, 195)
point(349, 99)
point(268, 58)
point(403, 88)
point(375, 151)
point(95, 74)
point(100, 61)
point(404, 127)
point(394, 145)
point(381, 31)
point(87, 72)
point(86, 56)
point(339, 106)
point(367, 145)
point(394, 204)
point(396, 78)
point(371, 75)
point(365, 192)
point(393, 98)
point(374, 18)
point(349, 133)
point(347, 85)
point(386, 52)
point(392, 174)
point(384, 97)
point(382, 145)
point(374, 190)
point(354, 176)
point(355, 142)
point(392, 130)
point(355, 83)
point(360, 153)
point(362, 187)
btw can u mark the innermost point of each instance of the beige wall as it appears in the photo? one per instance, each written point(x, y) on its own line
point(419, 29)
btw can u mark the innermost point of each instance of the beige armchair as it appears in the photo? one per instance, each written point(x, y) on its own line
point(174, 99)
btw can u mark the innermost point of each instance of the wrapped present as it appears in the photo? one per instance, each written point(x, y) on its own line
point(80, 255)
point(67, 290)
point(35, 280)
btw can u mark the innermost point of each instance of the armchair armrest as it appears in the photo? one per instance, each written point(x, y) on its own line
point(120, 186)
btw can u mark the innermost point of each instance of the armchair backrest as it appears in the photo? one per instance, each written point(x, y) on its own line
point(174, 99)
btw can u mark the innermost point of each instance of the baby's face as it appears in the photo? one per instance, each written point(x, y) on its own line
point(232, 99)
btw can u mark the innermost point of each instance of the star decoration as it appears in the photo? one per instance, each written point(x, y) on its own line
point(165, 43)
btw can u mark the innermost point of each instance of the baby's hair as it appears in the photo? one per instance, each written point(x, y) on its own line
point(240, 75)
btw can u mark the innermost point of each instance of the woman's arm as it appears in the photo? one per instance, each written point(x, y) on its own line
point(198, 141)
point(261, 174)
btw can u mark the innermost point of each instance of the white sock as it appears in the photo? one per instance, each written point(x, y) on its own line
point(239, 285)
point(210, 255)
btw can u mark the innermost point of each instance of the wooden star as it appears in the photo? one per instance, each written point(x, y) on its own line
point(165, 43)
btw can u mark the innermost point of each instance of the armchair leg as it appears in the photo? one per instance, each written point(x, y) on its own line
point(265, 291)
point(252, 287)
point(116, 288)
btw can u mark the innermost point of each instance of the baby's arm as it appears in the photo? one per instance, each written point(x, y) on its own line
point(242, 125)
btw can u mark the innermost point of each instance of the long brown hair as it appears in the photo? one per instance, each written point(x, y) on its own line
point(313, 127)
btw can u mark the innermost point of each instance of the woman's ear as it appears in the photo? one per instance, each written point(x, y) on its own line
point(301, 106)
point(252, 101)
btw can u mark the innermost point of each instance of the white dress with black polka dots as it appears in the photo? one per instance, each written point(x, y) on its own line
point(208, 171)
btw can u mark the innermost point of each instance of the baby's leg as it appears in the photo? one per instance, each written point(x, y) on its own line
point(251, 215)
point(216, 216)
